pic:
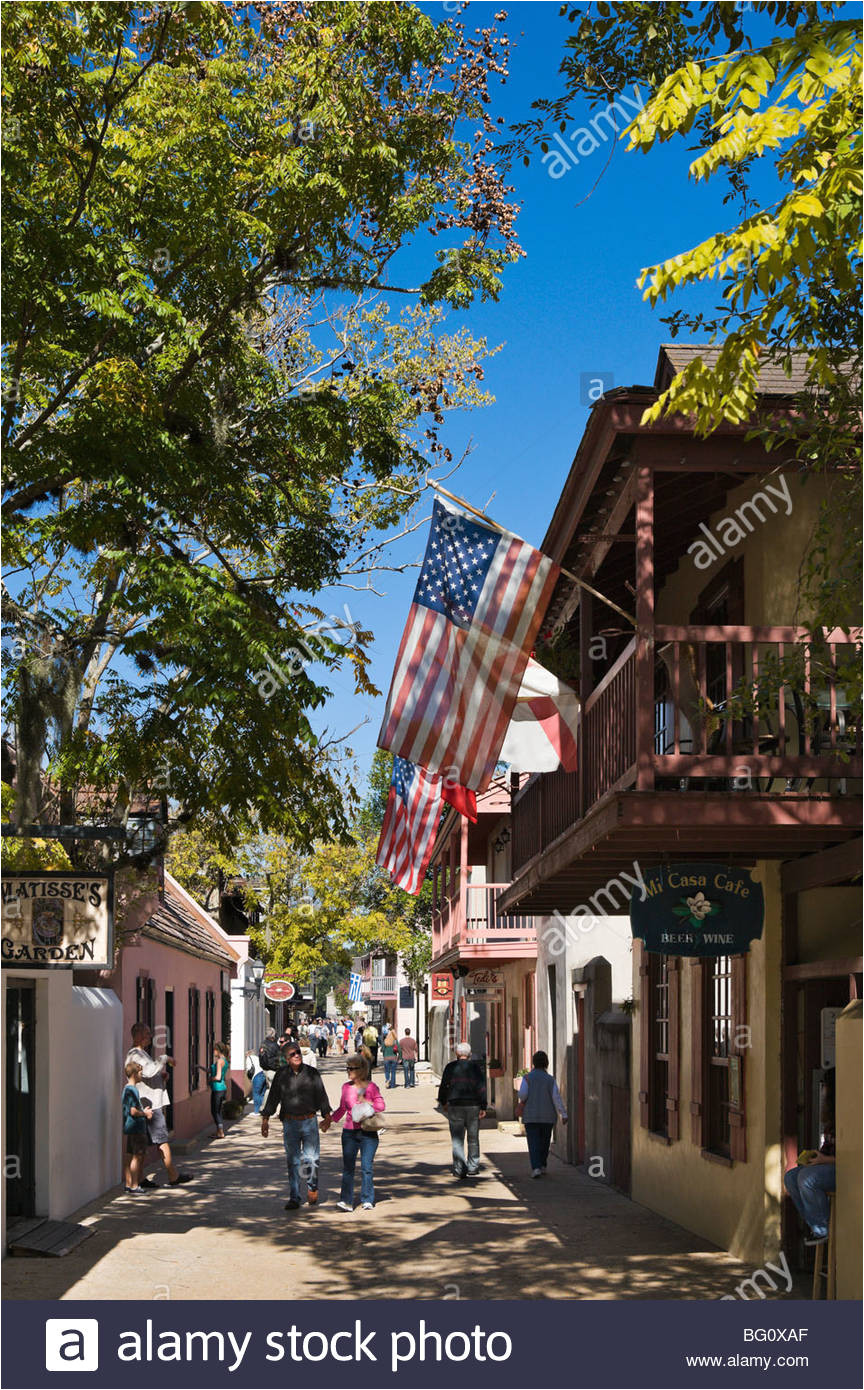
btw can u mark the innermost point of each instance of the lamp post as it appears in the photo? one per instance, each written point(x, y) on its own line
point(254, 990)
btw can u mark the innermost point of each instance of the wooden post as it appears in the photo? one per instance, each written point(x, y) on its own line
point(789, 1062)
point(645, 630)
point(586, 685)
point(463, 873)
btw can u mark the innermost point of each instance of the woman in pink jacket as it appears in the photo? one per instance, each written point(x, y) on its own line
point(360, 1098)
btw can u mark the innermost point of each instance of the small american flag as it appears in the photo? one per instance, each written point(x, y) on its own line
point(479, 602)
point(355, 988)
point(410, 824)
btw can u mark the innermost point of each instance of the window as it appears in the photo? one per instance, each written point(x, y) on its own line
point(209, 1026)
point(496, 1031)
point(659, 1044)
point(145, 1001)
point(529, 1018)
point(194, 1039)
point(718, 1014)
point(719, 1047)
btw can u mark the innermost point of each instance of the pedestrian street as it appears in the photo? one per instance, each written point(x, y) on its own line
point(498, 1236)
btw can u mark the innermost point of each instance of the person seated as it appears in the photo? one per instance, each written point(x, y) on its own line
point(809, 1184)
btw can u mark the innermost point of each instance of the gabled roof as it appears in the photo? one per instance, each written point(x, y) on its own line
point(180, 922)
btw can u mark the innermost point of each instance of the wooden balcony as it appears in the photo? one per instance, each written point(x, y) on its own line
point(379, 987)
point(468, 927)
point(749, 747)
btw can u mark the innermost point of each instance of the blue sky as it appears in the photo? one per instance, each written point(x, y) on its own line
point(569, 309)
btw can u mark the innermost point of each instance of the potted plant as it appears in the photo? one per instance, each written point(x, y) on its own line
point(496, 1067)
point(517, 1079)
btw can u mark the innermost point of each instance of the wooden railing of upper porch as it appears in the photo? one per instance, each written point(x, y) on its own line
point(793, 732)
point(470, 919)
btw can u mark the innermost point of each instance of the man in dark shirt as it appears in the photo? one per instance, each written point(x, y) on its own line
point(462, 1096)
point(299, 1093)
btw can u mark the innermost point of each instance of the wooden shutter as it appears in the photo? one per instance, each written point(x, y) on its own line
point(673, 1123)
point(737, 1114)
point(646, 1004)
point(697, 1052)
point(151, 1003)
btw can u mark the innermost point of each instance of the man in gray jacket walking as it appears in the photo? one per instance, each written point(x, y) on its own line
point(539, 1106)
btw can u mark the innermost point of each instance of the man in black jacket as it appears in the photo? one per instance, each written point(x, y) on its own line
point(462, 1096)
point(299, 1093)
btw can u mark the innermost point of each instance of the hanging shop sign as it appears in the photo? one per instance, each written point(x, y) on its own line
point(484, 980)
point(442, 986)
point(697, 910)
point(58, 919)
point(279, 991)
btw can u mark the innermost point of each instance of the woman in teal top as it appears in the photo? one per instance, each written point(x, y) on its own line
point(218, 1085)
point(390, 1054)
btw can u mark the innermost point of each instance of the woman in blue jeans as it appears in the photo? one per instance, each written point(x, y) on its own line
point(390, 1054)
point(539, 1106)
point(360, 1097)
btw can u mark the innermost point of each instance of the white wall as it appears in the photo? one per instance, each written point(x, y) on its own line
point(248, 1018)
point(79, 1080)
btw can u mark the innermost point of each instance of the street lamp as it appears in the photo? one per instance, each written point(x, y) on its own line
point(254, 989)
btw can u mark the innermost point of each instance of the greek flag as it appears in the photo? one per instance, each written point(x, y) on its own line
point(354, 988)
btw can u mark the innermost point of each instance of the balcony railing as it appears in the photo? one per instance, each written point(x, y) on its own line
point(379, 986)
point(470, 920)
point(754, 709)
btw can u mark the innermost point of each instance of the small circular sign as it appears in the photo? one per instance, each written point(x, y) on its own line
point(279, 991)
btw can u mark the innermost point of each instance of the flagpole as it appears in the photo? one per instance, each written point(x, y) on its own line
point(568, 574)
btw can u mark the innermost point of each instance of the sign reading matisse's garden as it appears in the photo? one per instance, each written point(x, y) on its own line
point(58, 919)
point(697, 910)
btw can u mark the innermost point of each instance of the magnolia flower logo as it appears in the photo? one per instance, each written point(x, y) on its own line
point(696, 909)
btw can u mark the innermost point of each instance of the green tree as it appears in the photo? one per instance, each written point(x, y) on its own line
point(788, 271)
point(211, 409)
point(321, 905)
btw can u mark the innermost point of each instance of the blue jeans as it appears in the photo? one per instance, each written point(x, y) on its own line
point(390, 1071)
point(464, 1119)
point(539, 1138)
point(302, 1152)
point(354, 1142)
point(259, 1086)
point(808, 1187)
point(408, 1068)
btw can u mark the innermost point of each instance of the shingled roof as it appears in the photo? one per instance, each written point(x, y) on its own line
point(773, 380)
point(176, 924)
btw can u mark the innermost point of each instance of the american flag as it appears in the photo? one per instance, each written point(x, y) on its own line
point(479, 602)
point(355, 988)
point(410, 824)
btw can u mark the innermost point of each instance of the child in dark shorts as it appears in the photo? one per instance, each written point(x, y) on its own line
point(136, 1113)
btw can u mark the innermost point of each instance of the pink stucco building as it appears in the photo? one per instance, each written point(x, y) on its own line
point(175, 975)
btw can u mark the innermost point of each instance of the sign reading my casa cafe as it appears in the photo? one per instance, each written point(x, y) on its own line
point(57, 919)
point(697, 910)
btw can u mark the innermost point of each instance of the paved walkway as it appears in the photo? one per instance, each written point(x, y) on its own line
point(504, 1235)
